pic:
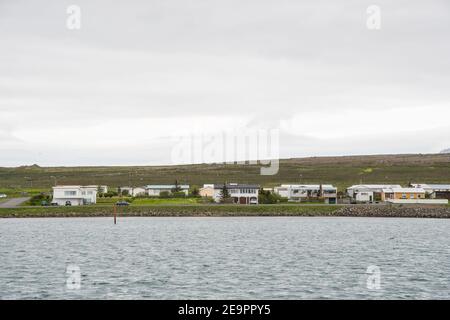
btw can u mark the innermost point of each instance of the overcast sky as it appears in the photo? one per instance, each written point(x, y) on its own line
point(139, 73)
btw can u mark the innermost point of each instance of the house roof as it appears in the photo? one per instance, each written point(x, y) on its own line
point(308, 186)
point(440, 186)
point(75, 187)
point(237, 186)
point(374, 186)
point(166, 186)
point(434, 187)
point(405, 190)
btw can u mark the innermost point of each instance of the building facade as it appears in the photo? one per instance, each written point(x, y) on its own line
point(74, 195)
point(238, 193)
point(207, 191)
point(308, 192)
point(403, 194)
point(155, 190)
point(368, 193)
point(133, 191)
point(435, 191)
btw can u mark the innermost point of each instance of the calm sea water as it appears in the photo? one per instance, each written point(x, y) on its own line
point(229, 258)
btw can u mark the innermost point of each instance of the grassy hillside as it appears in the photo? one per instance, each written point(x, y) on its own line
point(341, 171)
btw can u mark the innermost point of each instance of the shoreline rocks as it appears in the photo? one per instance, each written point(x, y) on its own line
point(394, 211)
point(241, 211)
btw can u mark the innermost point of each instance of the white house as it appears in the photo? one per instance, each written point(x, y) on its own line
point(239, 193)
point(368, 192)
point(139, 191)
point(133, 191)
point(282, 191)
point(364, 196)
point(297, 192)
point(155, 190)
point(435, 191)
point(74, 195)
point(207, 191)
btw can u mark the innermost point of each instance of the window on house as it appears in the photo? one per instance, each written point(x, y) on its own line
point(70, 193)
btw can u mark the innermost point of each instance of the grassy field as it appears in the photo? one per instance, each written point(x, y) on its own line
point(148, 201)
point(170, 210)
point(341, 171)
point(15, 192)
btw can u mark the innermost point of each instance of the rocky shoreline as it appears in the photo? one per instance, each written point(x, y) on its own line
point(235, 211)
point(395, 211)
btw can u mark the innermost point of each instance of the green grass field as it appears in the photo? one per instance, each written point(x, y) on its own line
point(19, 192)
point(340, 171)
point(170, 210)
point(148, 201)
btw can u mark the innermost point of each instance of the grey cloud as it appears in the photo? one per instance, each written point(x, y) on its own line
point(258, 60)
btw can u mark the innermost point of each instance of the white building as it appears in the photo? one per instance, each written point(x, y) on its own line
point(155, 190)
point(133, 191)
point(239, 193)
point(74, 195)
point(409, 196)
point(139, 191)
point(207, 191)
point(364, 196)
point(435, 191)
point(368, 192)
point(305, 192)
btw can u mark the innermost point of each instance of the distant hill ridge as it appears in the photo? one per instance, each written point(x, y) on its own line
point(342, 171)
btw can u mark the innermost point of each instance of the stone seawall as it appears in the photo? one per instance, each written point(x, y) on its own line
point(394, 211)
point(234, 211)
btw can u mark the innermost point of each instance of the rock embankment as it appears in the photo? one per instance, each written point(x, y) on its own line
point(394, 211)
point(234, 211)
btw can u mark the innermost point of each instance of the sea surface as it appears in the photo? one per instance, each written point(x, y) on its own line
point(225, 258)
